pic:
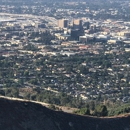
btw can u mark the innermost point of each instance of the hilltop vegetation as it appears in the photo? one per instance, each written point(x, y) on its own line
point(17, 115)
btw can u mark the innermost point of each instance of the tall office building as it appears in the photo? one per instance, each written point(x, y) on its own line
point(77, 29)
point(63, 23)
point(77, 24)
point(86, 25)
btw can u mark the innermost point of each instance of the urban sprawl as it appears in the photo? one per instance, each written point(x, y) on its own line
point(80, 49)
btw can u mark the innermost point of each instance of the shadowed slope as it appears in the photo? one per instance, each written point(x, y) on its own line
point(18, 115)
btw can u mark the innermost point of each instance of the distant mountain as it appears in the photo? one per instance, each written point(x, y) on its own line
point(18, 115)
point(53, 1)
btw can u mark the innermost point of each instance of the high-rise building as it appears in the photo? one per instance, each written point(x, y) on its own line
point(86, 25)
point(77, 24)
point(63, 23)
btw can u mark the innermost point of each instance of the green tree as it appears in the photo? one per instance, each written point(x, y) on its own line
point(6, 90)
point(83, 70)
point(52, 107)
point(34, 81)
point(92, 105)
point(83, 111)
point(14, 92)
point(26, 73)
point(101, 110)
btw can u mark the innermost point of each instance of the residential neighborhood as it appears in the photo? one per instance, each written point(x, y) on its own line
point(72, 48)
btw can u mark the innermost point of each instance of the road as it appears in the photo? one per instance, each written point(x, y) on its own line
point(50, 20)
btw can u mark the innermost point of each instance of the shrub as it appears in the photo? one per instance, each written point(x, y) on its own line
point(100, 110)
point(83, 111)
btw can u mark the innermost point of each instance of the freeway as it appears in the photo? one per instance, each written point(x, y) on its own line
point(48, 19)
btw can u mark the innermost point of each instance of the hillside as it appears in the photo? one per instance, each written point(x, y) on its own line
point(19, 115)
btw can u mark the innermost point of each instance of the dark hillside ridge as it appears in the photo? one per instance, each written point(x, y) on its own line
point(18, 115)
